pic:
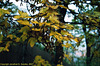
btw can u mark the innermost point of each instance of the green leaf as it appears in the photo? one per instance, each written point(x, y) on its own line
point(1, 49)
point(44, 10)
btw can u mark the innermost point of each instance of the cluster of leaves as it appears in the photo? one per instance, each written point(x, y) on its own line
point(45, 31)
point(4, 25)
point(90, 22)
point(38, 61)
point(42, 28)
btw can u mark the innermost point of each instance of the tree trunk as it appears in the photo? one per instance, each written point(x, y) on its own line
point(59, 48)
point(88, 62)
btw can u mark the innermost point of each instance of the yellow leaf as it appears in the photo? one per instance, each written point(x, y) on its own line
point(63, 32)
point(7, 45)
point(68, 26)
point(44, 10)
point(54, 19)
point(23, 22)
point(6, 49)
point(17, 17)
point(48, 24)
point(44, 1)
point(2, 11)
point(57, 24)
point(52, 33)
point(54, 7)
point(59, 65)
point(35, 22)
point(35, 29)
point(11, 36)
point(32, 41)
point(63, 6)
point(58, 0)
point(17, 39)
point(39, 38)
point(65, 46)
point(62, 26)
point(59, 38)
point(76, 39)
point(65, 38)
point(67, 56)
point(22, 13)
point(54, 26)
point(40, 24)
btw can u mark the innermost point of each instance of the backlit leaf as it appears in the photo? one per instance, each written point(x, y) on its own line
point(35, 29)
point(54, 7)
point(76, 39)
point(35, 22)
point(48, 24)
point(41, 24)
point(54, 26)
point(54, 19)
point(68, 26)
point(67, 45)
point(2, 11)
point(23, 22)
point(63, 6)
point(52, 33)
point(22, 15)
point(67, 56)
point(65, 38)
point(63, 32)
point(58, 0)
point(44, 10)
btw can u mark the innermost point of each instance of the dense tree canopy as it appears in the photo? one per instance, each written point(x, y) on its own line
point(48, 28)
